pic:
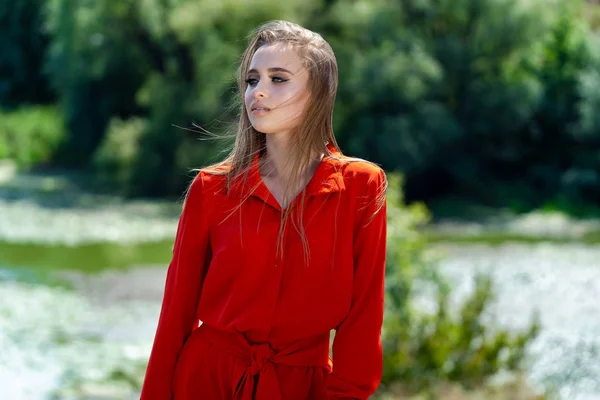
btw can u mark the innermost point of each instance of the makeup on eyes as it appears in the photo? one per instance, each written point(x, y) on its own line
point(276, 79)
point(253, 74)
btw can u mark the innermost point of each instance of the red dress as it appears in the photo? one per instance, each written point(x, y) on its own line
point(267, 316)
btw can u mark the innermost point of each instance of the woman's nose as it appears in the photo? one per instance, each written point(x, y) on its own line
point(259, 91)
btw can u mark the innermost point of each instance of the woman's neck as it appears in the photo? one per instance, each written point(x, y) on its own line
point(277, 161)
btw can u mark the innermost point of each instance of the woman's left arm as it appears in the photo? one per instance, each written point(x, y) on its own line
point(357, 351)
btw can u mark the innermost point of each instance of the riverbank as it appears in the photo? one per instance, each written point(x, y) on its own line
point(56, 208)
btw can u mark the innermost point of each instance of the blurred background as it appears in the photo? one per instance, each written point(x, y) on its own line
point(483, 113)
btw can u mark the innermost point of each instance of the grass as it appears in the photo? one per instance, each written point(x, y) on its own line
point(87, 257)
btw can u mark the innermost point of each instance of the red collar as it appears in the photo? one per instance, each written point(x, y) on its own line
point(326, 179)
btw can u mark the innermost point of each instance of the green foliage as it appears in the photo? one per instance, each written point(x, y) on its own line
point(422, 348)
point(31, 135)
point(157, 170)
point(94, 68)
point(154, 65)
point(23, 42)
point(562, 159)
point(117, 155)
point(442, 75)
point(462, 96)
point(580, 183)
point(465, 97)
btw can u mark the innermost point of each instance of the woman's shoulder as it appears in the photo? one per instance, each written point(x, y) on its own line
point(210, 180)
point(358, 169)
point(366, 181)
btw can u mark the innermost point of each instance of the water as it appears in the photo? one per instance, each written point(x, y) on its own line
point(71, 331)
point(52, 338)
point(81, 280)
point(562, 282)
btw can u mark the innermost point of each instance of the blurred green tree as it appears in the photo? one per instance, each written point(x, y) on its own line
point(490, 99)
point(441, 88)
point(169, 62)
point(96, 68)
point(23, 41)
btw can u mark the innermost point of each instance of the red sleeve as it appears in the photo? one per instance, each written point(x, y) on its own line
point(357, 352)
point(182, 289)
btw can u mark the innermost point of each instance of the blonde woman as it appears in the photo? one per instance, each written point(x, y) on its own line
point(277, 245)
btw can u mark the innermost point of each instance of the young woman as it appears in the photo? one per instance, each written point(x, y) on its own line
point(278, 245)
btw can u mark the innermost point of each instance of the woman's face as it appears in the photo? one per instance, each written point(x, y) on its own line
point(277, 89)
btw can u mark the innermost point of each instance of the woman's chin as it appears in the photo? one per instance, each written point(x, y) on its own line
point(270, 130)
point(264, 129)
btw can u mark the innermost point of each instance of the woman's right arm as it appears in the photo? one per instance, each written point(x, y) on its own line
point(182, 290)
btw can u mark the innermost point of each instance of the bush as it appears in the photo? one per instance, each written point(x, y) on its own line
point(119, 151)
point(422, 349)
point(31, 135)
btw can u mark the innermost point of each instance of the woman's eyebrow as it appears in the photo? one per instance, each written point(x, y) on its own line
point(274, 69)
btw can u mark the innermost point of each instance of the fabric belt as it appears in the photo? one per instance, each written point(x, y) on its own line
point(260, 360)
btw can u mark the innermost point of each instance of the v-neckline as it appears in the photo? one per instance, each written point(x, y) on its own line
point(295, 197)
point(327, 178)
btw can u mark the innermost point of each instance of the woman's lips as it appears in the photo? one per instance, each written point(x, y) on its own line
point(260, 111)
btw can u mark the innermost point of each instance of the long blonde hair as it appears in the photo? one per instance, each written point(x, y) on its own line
point(315, 130)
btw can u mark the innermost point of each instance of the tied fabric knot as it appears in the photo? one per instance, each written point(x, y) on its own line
point(261, 360)
point(260, 355)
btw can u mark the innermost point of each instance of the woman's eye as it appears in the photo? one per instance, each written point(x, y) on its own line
point(275, 79)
